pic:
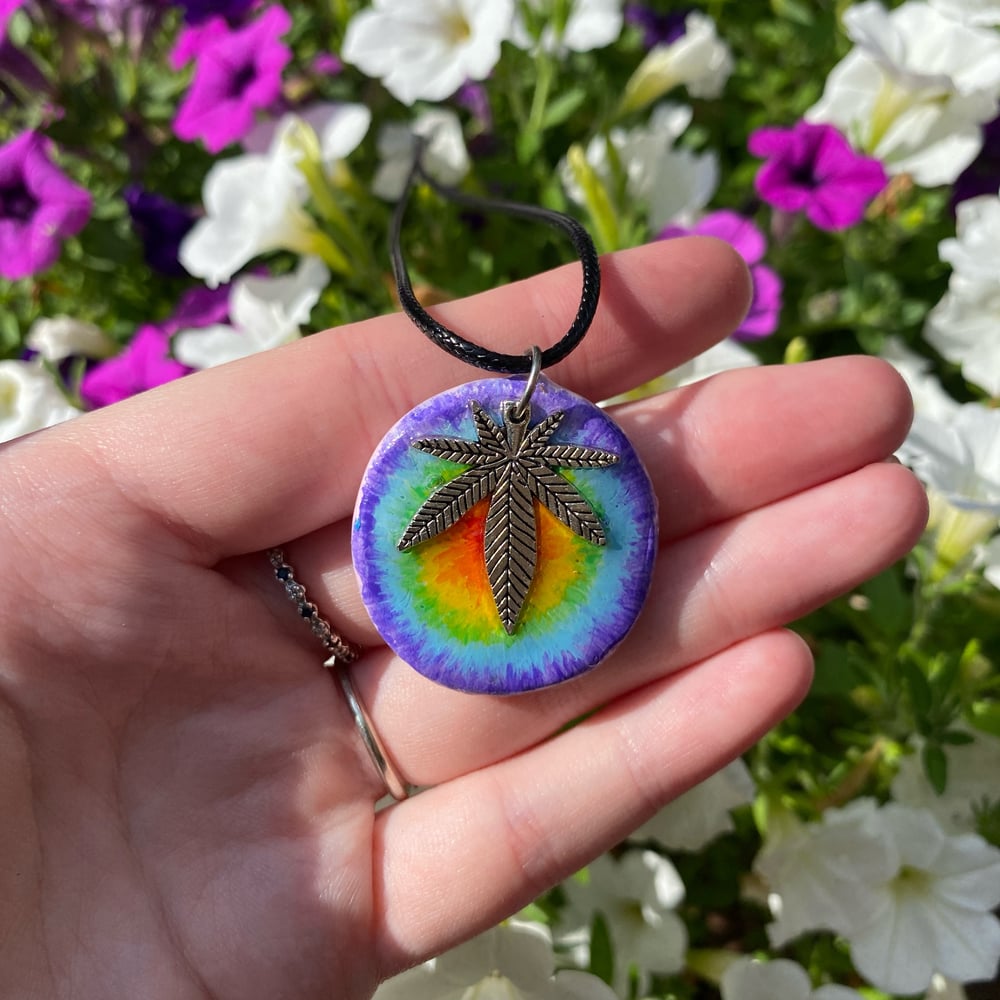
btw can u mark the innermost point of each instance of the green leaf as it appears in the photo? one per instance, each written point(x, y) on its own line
point(986, 717)
point(918, 688)
point(957, 738)
point(562, 107)
point(935, 766)
point(602, 955)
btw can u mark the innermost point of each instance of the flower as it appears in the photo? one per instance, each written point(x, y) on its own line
point(265, 312)
point(591, 24)
point(929, 398)
point(426, 51)
point(339, 127)
point(39, 207)
point(29, 399)
point(812, 168)
point(237, 73)
point(702, 813)
point(657, 28)
point(676, 184)
point(636, 896)
point(910, 899)
point(698, 60)
point(749, 242)
point(145, 363)
point(962, 326)
point(253, 204)
point(914, 89)
point(444, 155)
point(199, 11)
point(61, 337)
point(161, 225)
point(972, 777)
point(513, 961)
point(748, 979)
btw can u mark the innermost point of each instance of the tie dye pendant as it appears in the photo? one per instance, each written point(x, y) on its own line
point(504, 536)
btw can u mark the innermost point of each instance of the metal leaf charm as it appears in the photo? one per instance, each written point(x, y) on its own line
point(513, 465)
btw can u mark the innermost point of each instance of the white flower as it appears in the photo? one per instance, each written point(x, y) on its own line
point(702, 813)
point(972, 777)
point(984, 12)
point(444, 156)
point(340, 127)
point(592, 24)
point(511, 962)
point(699, 60)
point(29, 399)
point(636, 896)
point(675, 184)
point(910, 899)
point(59, 337)
point(748, 979)
point(943, 988)
point(914, 90)
point(427, 50)
point(265, 313)
point(963, 325)
point(253, 204)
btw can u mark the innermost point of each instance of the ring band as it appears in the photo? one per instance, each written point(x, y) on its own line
point(340, 650)
point(376, 748)
point(341, 653)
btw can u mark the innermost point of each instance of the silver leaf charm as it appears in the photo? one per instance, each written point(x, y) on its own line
point(513, 465)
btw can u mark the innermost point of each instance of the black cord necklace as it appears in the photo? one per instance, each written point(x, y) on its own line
point(505, 529)
point(453, 343)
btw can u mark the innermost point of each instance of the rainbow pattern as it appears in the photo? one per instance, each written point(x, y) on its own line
point(433, 604)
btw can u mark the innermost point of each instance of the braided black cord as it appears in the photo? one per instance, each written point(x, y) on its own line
point(466, 350)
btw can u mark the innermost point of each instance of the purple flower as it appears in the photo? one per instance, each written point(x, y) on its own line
point(327, 64)
point(145, 363)
point(195, 37)
point(39, 207)
point(199, 306)
point(750, 244)
point(161, 225)
point(982, 176)
point(199, 11)
point(474, 98)
point(237, 73)
point(657, 28)
point(812, 169)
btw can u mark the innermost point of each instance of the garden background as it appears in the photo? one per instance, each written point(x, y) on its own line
point(185, 183)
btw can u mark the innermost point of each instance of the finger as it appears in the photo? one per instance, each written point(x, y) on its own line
point(713, 450)
point(710, 590)
point(490, 842)
point(270, 448)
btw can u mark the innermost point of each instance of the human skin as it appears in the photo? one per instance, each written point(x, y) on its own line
point(187, 808)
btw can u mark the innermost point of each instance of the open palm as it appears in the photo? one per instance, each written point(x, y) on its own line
point(187, 810)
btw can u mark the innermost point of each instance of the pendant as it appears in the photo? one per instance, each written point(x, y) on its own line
point(503, 539)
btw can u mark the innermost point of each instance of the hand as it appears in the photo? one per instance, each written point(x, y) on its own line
point(187, 808)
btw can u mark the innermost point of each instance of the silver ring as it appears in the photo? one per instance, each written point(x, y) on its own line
point(394, 784)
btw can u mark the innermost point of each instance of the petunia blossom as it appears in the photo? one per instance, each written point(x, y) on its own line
point(264, 312)
point(812, 169)
point(39, 207)
point(589, 24)
point(426, 51)
point(237, 74)
point(637, 896)
point(161, 224)
point(701, 814)
point(143, 364)
point(910, 899)
point(658, 28)
point(29, 399)
point(741, 233)
point(444, 156)
point(749, 979)
point(982, 12)
point(514, 961)
point(698, 60)
point(962, 326)
point(914, 90)
point(56, 338)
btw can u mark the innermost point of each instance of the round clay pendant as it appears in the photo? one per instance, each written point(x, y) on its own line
point(502, 548)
